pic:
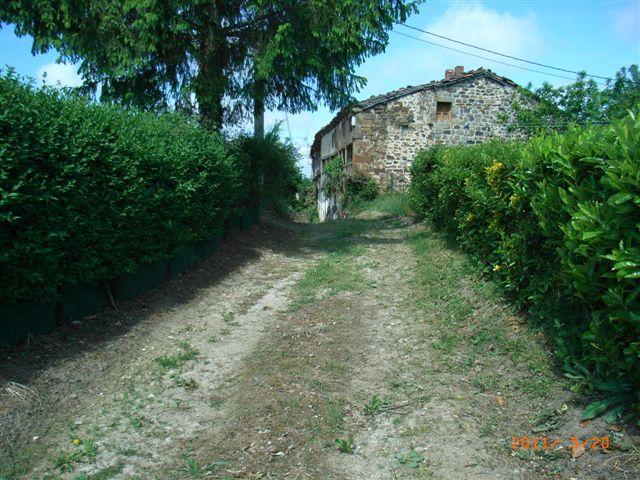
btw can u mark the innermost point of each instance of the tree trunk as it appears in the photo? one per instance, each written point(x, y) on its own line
point(211, 82)
point(209, 89)
point(258, 109)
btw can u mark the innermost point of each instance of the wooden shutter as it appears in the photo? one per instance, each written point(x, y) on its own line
point(443, 111)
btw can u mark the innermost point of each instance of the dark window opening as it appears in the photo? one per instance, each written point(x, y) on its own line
point(443, 111)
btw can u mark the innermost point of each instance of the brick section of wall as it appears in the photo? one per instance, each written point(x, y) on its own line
point(388, 136)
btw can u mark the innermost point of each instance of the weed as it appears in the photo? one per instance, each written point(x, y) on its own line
point(333, 417)
point(333, 366)
point(109, 472)
point(484, 383)
point(346, 445)
point(411, 459)
point(135, 421)
point(82, 450)
point(215, 402)
point(186, 383)
point(191, 466)
point(373, 406)
point(447, 342)
point(486, 429)
point(175, 361)
point(65, 461)
point(228, 318)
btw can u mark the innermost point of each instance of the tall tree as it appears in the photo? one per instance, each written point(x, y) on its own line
point(306, 53)
point(255, 54)
point(583, 101)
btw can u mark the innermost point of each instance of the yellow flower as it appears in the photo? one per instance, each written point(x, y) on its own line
point(76, 441)
point(470, 217)
point(497, 268)
point(494, 174)
point(514, 200)
point(494, 168)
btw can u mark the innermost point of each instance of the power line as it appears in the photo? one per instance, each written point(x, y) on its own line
point(498, 53)
point(484, 58)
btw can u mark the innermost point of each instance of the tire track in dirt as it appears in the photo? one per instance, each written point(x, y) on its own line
point(158, 374)
point(370, 331)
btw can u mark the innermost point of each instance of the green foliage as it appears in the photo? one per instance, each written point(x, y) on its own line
point(555, 223)
point(346, 445)
point(334, 177)
point(89, 192)
point(282, 181)
point(283, 54)
point(581, 102)
point(373, 406)
point(351, 189)
point(411, 459)
point(305, 204)
point(361, 188)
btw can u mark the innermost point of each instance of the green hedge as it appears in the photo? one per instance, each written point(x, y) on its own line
point(89, 192)
point(555, 222)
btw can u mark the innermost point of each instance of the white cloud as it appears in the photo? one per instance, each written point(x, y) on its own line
point(61, 74)
point(478, 25)
point(410, 62)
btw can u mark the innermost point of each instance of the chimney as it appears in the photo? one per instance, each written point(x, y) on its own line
point(459, 71)
point(448, 74)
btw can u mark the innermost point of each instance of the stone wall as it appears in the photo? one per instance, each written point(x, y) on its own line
point(388, 136)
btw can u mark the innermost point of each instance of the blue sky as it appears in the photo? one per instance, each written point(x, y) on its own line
point(593, 35)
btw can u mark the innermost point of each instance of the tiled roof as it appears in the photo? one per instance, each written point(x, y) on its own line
point(376, 100)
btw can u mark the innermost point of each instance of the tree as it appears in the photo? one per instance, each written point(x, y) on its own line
point(247, 54)
point(146, 53)
point(305, 53)
point(582, 102)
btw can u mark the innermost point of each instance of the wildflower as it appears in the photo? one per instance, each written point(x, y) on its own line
point(497, 268)
point(76, 441)
point(495, 168)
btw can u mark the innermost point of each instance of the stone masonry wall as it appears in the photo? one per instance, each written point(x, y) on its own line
point(388, 136)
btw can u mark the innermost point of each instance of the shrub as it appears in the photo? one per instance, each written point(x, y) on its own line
point(276, 162)
point(555, 223)
point(361, 188)
point(89, 191)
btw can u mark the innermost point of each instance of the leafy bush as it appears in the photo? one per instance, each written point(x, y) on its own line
point(276, 162)
point(89, 191)
point(361, 188)
point(334, 176)
point(555, 222)
point(583, 101)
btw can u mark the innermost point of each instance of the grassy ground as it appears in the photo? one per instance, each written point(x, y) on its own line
point(364, 348)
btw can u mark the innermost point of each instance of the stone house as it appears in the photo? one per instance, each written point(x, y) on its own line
point(380, 136)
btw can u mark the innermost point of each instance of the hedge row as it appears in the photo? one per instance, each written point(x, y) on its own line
point(89, 192)
point(556, 223)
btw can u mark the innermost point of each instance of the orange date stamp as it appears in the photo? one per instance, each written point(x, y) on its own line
point(526, 442)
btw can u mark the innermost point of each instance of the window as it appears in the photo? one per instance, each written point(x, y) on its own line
point(443, 111)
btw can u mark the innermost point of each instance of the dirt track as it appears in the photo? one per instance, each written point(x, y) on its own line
point(370, 331)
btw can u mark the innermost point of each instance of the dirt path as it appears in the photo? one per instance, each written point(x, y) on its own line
point(361, 349)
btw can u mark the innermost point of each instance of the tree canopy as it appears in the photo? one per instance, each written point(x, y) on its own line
point(582, 102)
point(221, 58)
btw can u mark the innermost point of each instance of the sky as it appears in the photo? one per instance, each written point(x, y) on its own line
point(598, 36)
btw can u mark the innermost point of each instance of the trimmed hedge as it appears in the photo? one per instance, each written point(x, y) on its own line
point(89, 192)
point(555, 222)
